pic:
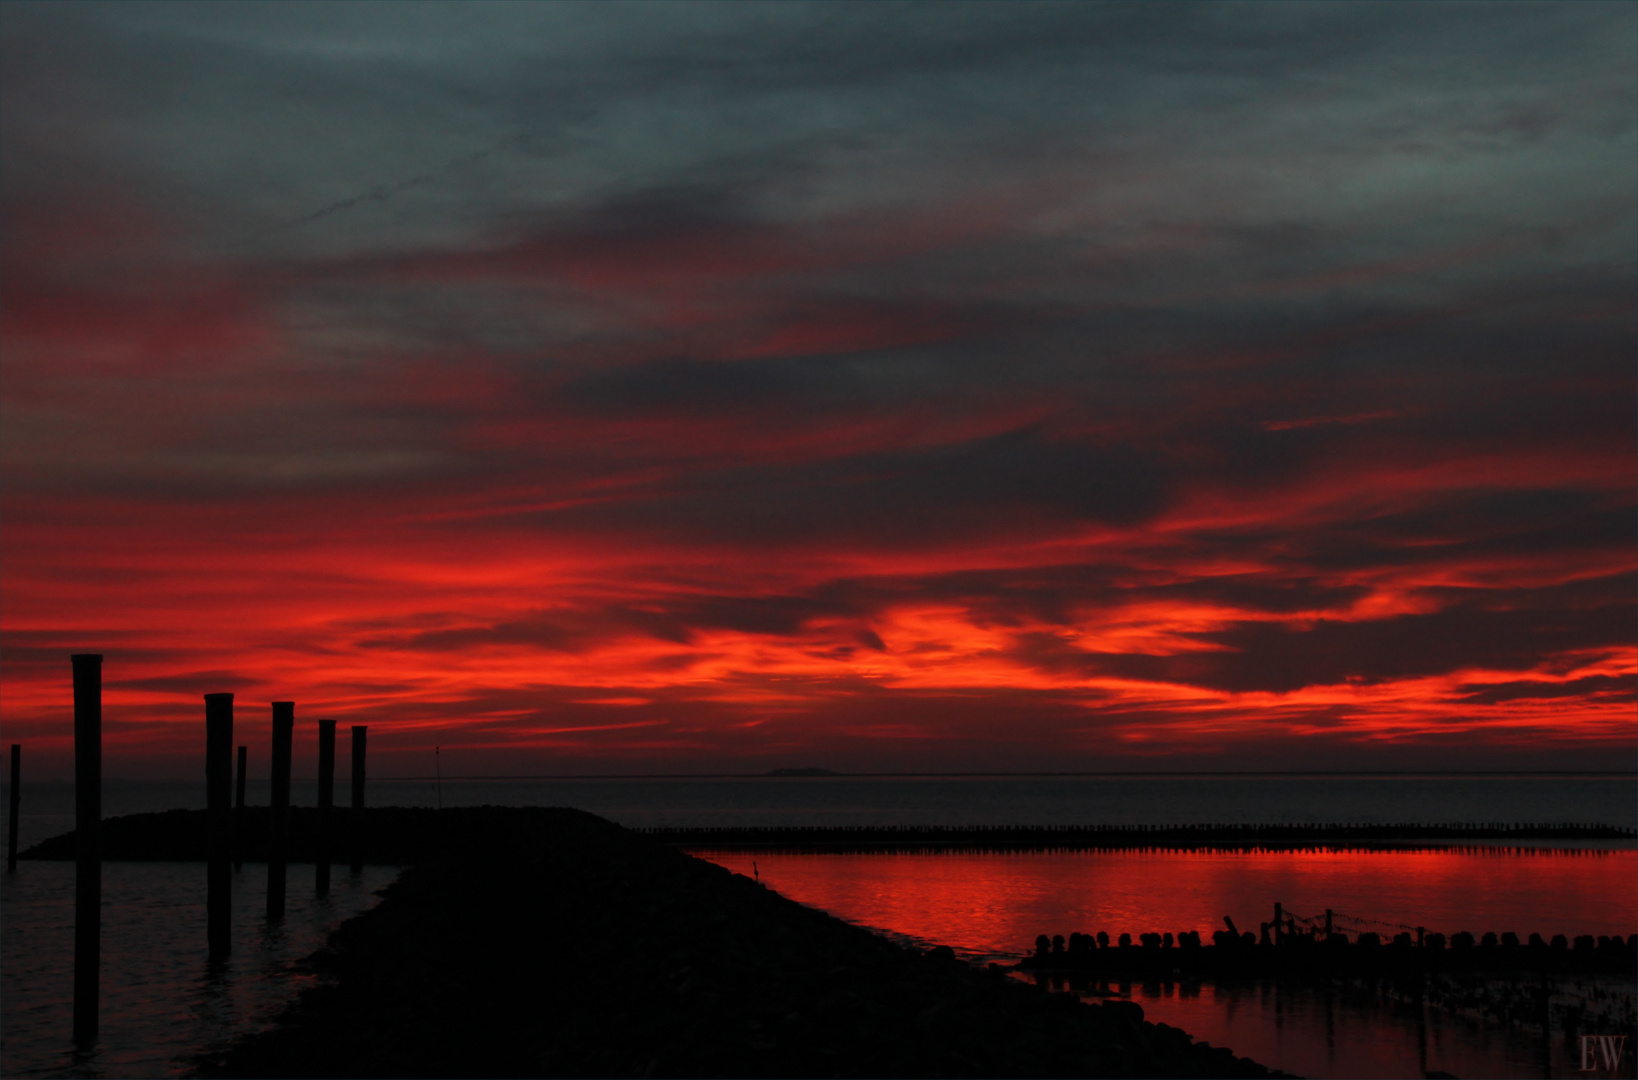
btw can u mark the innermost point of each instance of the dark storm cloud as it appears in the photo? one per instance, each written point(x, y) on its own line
point(1619, 687)
point(898, 498)
point(579, 630)
point(1485, 630)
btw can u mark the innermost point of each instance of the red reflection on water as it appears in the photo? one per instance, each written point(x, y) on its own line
point(994, 904)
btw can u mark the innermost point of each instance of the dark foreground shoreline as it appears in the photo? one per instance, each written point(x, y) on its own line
point(549, 942)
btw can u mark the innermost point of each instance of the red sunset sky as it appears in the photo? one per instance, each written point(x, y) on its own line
point(618, 388)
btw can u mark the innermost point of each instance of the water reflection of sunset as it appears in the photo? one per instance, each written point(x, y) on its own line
point(994, 904)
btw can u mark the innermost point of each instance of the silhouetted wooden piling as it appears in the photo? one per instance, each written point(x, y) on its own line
point(219, 825)
point(326, 799)
point(278, 834)
point(360, 734)
point(88, 843)
point(239, 811)
point(11, 822)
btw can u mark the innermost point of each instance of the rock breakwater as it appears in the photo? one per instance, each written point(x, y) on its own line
point(548, 942)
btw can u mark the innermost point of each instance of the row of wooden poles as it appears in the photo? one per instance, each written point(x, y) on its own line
point(222, 799)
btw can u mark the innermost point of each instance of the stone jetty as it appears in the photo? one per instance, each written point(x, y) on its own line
point(548, 942)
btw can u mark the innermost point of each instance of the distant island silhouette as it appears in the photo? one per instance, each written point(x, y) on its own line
point(810, 771)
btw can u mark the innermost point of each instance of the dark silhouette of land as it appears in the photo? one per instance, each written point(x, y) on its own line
point(548, 942)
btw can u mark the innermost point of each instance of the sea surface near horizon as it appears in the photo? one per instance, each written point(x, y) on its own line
point(160, 999)
point(47, 808)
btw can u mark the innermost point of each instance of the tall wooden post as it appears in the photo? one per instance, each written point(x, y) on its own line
point(88, 842)
point(326, 799)
point(239, 811)
point(360, 733)
point(11, 821)
point(278, 833)
point(1279, 922)
point(219, 827)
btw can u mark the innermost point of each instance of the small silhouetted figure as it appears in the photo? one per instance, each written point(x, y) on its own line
point(1057, 944)
point(1103, 939)
point(1126, 941)
point(1043, 946)
point(755, 873)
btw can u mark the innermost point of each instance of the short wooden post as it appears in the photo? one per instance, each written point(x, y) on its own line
point(239, 811)
point(326, 799)
point(219, 827)
point(360, 735)
point(278, 833)
point(11, 822)
point(88, 843)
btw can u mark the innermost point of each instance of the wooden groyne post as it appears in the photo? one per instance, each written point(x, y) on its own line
point(88, 842)
point(326, 799)
point(360, 736)
point(278, 833)
point(11, 822)
point(219, 826)
point(239, 810)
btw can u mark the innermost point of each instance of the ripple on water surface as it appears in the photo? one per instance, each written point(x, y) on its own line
point(160, 1000)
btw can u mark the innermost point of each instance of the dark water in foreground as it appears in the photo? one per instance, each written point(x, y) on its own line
point(159, 1001)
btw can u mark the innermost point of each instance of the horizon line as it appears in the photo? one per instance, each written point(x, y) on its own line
point(835, 775)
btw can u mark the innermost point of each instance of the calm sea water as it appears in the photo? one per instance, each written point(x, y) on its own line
point(48, 809)
point(990, 906)
point(159, 1001)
